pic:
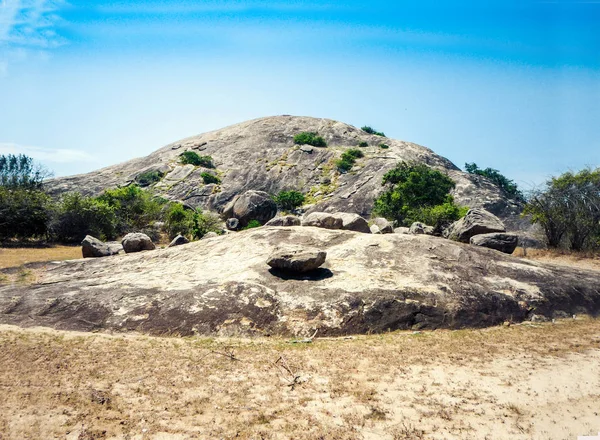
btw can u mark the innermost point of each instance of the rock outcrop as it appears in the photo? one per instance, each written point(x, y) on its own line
point(178, 241)
point(137, 242)
point(285, 220)
point(369, 283)
point(475, 222)
point(297, 260)
point(322, 220)
point(261, 155)
point(499, 241)
point(353, 222)
point(251, 205)
point(421, 228)
point(384, 226)
point(91, 247)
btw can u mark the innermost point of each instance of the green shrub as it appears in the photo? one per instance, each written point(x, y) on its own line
point(438, 216)
point(76, 216)
point(343, 165)
point(363, 144)
point(193, 224)
point(309, 138)
point(371, 130)
point(508, 186)
point(149, 177)
point(288, 200)
point(24, 213)
point(352, 153)
point(193, 158)
point(384, 146)
point(210, 178)
point(203, 223)
point(348, 159)
point(135, 209)
point(417, 192)
point(252, 224)
point(178, 220)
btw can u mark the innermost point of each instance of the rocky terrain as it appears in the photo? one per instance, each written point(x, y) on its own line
point(261, 155)
point(368, 283)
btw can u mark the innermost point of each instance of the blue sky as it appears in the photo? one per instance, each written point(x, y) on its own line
point(514, 85)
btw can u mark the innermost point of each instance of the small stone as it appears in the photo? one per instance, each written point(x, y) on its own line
point(233, 224)
point(178, 241)
point(384, 225)
point(420, 228)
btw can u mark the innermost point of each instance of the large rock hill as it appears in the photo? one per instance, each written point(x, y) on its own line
point(261, 155)
point(369, 283)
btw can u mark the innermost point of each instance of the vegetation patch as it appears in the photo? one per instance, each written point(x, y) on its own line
point(193, 158)
point(384, 146)
point(505, 184)
point(252, 224)
point(190, 223)
point(363, 144)
point(309, 138)
point(289, 200)
point(371, 130)
point(568, 210)
point(416, 192)
point(348, 159)
point(149, 177)
point(210, 178)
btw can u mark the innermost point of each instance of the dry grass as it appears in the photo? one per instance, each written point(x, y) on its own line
point(583, 260)
point(18, 256)
point(520, 382)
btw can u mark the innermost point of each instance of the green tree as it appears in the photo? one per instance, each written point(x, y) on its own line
point(24, 213)
point(508, 186)
point(568, 209)
point(24, 206)
point(288, 200)
point(20, 171)
point(416, 192)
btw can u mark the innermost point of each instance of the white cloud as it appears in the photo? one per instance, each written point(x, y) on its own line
point(26, 28)
point(58, 155)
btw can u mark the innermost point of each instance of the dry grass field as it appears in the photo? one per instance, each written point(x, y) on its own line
point(18, 256)
point(530, 381)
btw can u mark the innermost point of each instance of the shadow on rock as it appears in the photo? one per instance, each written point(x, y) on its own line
point(313, 275)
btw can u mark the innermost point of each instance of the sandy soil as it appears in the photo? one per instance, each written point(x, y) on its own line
point(530, 381)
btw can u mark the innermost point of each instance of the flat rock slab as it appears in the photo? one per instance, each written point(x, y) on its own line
point(369, 283)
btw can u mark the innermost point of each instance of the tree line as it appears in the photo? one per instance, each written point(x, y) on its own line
point(567, 207)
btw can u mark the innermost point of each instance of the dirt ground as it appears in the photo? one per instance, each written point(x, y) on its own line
point(530, 381)
point(582, 260)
